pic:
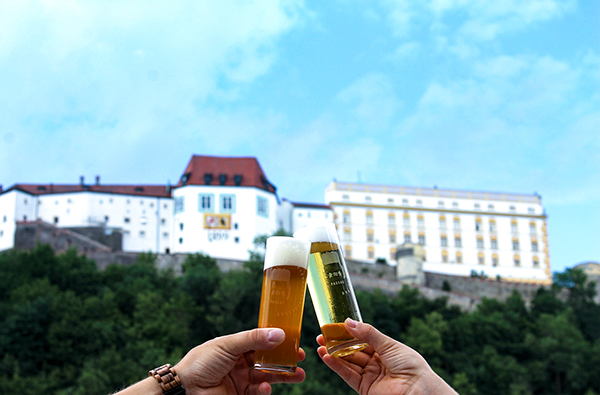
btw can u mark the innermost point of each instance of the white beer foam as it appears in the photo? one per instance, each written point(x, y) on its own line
point(282, 250)
point(325, 231)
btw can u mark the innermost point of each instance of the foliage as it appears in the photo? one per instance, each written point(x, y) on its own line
point(67, 328)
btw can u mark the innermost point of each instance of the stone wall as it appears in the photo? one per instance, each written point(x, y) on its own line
point(29, 234)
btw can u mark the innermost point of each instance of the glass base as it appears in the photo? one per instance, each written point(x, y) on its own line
point(275, 369)
point(346, 348)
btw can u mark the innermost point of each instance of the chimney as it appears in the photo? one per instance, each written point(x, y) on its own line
point(97, 180)
point(81, 181)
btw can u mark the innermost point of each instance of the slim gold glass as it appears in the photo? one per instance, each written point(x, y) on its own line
point(331, 289)
point(282, 301)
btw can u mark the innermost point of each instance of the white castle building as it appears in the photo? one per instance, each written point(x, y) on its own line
point(499, 234)
point(221, 204)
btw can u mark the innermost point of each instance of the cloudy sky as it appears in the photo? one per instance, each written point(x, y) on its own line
point(500, 96)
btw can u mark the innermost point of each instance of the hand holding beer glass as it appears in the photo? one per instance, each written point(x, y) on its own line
point(282, 301)
point(331, 289)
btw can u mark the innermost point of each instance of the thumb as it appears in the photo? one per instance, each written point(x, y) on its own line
point(255, 339)
point(368, 333)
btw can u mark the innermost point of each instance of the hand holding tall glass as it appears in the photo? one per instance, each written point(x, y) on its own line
point(282, 301)
point(331, 289)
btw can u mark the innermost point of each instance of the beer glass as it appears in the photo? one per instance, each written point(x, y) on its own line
point(282, 301)
point(331, 289)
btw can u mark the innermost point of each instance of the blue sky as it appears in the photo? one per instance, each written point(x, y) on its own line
point(465, 94)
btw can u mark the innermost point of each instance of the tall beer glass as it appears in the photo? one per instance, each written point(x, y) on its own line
point(331, 289)
point(282, 301)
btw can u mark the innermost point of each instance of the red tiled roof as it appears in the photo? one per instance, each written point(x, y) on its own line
point(311, 205)
point(136, 190)
point(230, 171)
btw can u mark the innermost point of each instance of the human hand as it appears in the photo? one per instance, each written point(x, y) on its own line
point(386, 367)
point(225, 365)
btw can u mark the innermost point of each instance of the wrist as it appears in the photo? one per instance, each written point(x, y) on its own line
point(168, 380)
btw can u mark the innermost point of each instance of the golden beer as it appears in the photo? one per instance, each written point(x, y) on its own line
point(282, 301)
point(331, 289)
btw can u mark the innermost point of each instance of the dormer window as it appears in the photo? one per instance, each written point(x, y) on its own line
point(208, 178)
point(237, 179)
point(185, 178)
point(139, 189)
point(41, 188)
point(222, 179)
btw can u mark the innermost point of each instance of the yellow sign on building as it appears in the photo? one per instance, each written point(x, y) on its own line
point(217, 221)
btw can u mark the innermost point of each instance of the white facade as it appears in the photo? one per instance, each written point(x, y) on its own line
point(222, 221)
point(293, 216)
point(461, 231)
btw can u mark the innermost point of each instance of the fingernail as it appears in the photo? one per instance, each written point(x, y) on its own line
point(276, 335)
point(351, 323)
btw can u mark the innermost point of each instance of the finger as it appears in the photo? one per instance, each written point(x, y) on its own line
point(301, 355)
point(341, 367)
point(321, 340)
point(322, 351)
point(255, 339)
point(297, 377)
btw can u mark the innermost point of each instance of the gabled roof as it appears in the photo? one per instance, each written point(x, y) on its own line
point(228, 171)
point(135, 190)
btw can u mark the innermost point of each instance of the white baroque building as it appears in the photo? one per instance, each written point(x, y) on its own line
point(220, 205)
point(499, 234)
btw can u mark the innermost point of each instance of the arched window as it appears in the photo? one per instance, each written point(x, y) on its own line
point(369, 234)
point(369, 217)
point(348, 251)
point(444, 256)
point(442, 222)
point(459, 257)
point(370, 252)
point(481, 258)
point(392, 219)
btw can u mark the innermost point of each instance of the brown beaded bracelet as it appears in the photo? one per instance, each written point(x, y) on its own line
point(167, 378)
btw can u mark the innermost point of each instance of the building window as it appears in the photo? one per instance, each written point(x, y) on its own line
point(345, 197)
point(227, 203)
point(390, 200)
point(407, 237)
point(369, 218)
point(4, 219)
point(490, 206)
point(392, 237)
point(347, 234)
point(205, 202)
point(262, 206)
point(512, 208)
point(346, 217)
point(492, 225)
point(166, 235)
point(481, 258)
point(534, 245)
point(445, 256)
point(441, 203)
point(477, 206)
point(142, 233)
point(443, 240)
point(420, 221)
point(370, 253)
point(405, 201)
point(236, 239)
point(454, 204)
point(456, 223)
point(181, 240)
point(126, 220)
point(422, 239)
point(493, 243)
point(178, 204)
point(517, 260)
point(513, 226)
point(392, 254)
point(479, 242)
point(536, 261)
point(419, 202)
point(442, 222)
point(55, 220)
point(532, 229)
point(515, 244)
point(391, 219)
point(494, 260)
point(367, 198)
point(458, 257)
point(406, 219)
point(369, 234)
point(348, 251)
point(457, 241)
point(478, 227)
point(181, 226)
point(163, 221)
